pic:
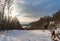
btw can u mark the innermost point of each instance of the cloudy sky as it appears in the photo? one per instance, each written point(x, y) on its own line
point(31, 10)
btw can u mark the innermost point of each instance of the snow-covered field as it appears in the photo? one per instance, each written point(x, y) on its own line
point(25, 35)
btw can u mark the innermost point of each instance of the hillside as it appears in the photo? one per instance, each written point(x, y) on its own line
point(46, 21)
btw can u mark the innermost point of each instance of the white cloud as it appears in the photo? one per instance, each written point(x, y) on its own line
point(27, 19)
point(22, 19)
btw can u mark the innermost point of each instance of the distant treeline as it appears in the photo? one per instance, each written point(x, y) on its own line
point(46, 22)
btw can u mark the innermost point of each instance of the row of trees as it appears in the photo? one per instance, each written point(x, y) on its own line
point(7, 23)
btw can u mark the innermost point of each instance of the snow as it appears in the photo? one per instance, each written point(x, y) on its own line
point(25, 35)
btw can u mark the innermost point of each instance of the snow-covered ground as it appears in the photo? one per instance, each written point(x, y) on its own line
point(25, 35)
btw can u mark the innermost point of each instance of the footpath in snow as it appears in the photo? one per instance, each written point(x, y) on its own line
point(25, 35)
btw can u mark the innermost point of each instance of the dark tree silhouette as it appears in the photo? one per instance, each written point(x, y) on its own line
point(8, 23)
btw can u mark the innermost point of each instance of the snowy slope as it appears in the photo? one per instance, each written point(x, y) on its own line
point(25, 35)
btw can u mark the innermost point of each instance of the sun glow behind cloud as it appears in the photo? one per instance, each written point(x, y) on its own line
point(12, 11)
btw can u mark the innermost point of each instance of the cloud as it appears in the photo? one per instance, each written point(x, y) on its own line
point(37, 8)
point(23, 19)
point(26, 19)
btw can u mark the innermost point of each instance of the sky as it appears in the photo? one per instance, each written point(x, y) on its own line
point(32, 10)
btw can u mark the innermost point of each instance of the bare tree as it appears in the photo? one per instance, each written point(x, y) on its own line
point(5, 3)
point(9, 4)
